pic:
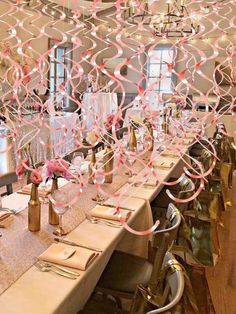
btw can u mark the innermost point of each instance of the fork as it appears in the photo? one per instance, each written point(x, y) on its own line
point(11, 211)
point(105, 222)
point(49, 268)
point(47, 264)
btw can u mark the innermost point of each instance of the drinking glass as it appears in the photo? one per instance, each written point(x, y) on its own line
point(99, 179)
point(131, 159)
point(77, 159)
point(21, 180)
point(60, 206)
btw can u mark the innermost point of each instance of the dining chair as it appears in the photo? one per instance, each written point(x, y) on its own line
point(125, 271)
point(183, 190)
point(172, 290)
point(7, 180)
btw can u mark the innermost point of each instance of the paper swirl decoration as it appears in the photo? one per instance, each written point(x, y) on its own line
point(104, 50)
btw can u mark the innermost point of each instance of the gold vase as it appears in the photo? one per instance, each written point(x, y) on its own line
point(165, 125)
point(108, 161)
point(91, 166)
point(132, 140)
point(53, 218)
point(149, 136)
point(34, 210)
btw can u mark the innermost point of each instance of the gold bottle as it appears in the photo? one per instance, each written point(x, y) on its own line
point(132, 140)
point(108, 161)
point(52, 216)
point(150, 136)
point(91, 166)
point(164, 124)
point(34, 210)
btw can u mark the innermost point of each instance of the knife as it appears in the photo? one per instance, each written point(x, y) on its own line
point(77, 244)
point(120, 207)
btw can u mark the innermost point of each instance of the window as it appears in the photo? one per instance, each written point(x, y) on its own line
point(157, 66)
point(60, 60)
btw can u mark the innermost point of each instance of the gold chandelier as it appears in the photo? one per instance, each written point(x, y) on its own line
point(174, 22)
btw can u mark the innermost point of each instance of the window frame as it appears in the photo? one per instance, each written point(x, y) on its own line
point(67, 62)
point(172, 76)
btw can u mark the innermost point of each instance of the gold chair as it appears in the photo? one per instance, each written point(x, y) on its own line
point(125, 271)
point(172, 289)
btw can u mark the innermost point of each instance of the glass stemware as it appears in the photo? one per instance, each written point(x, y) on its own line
point(77, 159)
point(60, 206)
point(98, 179)
point(21, 179)
point(131, 159)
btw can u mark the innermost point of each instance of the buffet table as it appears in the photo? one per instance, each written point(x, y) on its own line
point(49, 137)
point(31, 291)
point(96, 106)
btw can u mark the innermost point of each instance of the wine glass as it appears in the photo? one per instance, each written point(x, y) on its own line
point(21, 180)
point(44, 185)
point(98, 179)
point(77, 160)
point(142, 131)
point(131, 159)
point(60, 206)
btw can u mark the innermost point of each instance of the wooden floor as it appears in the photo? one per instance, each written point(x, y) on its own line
point(222, 278)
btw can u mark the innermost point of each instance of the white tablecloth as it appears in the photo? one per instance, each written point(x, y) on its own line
point(100, 105)
point(52, 132)
point(36, 292)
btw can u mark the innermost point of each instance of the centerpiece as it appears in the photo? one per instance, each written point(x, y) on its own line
point(108, 159)
point(34, 204)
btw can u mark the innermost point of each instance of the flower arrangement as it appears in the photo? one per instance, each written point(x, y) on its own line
point(57, 168)
point(112, 120)
point(21, 167)
point(36, 177)
point(92, 138)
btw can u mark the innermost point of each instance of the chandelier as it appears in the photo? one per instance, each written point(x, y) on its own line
point(174, 21)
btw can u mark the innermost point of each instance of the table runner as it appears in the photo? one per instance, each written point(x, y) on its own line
point(38, 243)
point(16, 257)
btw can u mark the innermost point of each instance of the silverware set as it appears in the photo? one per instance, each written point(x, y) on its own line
point(114, 206)
point(78, 245)
point(104, 221)
point(59, 270)
point(10, 211)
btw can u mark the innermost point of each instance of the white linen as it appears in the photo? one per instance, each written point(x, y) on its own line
point(100, 104)
point(37, 292)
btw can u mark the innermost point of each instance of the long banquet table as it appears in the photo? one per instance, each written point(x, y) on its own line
point(26, 290)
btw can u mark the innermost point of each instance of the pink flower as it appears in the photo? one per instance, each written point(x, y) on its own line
point(35, 177)
point(112, 120)
point(20, 169)
point(57, 167)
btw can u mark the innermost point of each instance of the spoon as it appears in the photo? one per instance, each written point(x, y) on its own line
point(108, 223)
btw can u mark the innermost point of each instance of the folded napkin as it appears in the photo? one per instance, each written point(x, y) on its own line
point(170, 153)
point(44, 190)
point(151, 181)
point(65, 255)
point(4, 214)
point(162, 164)
point(104, 212)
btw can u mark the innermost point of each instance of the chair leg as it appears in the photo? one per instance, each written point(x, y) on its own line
point(9, 189)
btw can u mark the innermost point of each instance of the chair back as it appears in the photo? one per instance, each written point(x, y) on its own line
point(163, 240)
point(169, 295)
point(174, 287)
point(7, 180)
